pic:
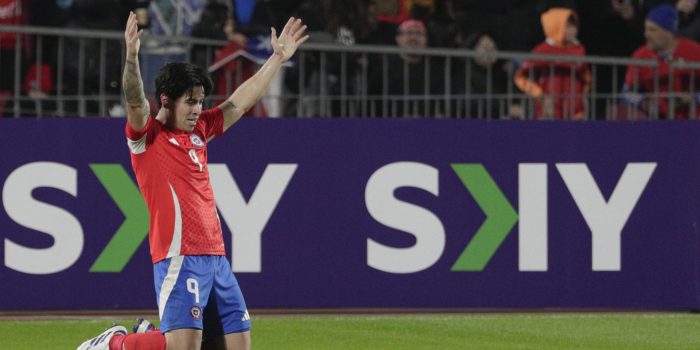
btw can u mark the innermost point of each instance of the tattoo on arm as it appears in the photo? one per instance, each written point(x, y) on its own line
point(133, 86)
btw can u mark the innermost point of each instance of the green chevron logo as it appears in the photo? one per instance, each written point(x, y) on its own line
point(133, 230)
point(500, 217)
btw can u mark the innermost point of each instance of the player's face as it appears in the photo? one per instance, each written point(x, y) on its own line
point(187, 109)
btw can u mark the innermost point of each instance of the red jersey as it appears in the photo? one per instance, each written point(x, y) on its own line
point(643, 77)
point(565, 83)
point(10, 14)
point(171, 170)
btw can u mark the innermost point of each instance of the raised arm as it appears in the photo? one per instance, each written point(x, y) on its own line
point(138, 109)
point(253, 89)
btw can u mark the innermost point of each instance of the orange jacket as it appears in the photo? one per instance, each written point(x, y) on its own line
point(555, 78)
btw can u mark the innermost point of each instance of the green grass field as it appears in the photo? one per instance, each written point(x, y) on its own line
point(465, 331)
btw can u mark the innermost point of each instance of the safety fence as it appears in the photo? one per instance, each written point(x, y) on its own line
point(57, 72)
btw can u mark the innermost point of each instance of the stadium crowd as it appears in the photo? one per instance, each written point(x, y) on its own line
point(602, 28)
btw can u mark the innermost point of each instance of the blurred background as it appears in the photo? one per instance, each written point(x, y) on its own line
point(500, 59)
point(391, 162)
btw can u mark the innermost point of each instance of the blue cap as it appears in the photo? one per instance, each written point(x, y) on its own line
point(664, 16)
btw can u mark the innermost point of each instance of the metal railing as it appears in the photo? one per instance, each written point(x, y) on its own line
point(329, 80)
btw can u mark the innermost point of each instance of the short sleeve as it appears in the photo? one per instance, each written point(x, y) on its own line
point(133, 134)
point(137, 140)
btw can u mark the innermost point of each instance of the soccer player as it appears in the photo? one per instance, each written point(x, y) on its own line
point(199, 301)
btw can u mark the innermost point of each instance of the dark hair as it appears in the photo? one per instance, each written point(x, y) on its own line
point(472, 39)
point(177, 79)
point(215, 14)
point(212, 22)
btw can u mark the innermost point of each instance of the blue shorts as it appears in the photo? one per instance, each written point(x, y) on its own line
point(199, 291)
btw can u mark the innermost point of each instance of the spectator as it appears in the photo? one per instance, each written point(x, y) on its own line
point(439, 19)
point(229, 66)
point(214, 23)
point(390, 13)
point(689, 19)
point(487, 80)
point(101, 58)
point(660, 30)
point(558, 88)
point(373, 32)
point(12, 12)
point(38, 84)
point(514, 22)
point(347, 22)
point(609, 28)
point(413, 81)
point(332, 74)
point(298, 104)
point(626, 9)
point(688, 16)
point(630, 14)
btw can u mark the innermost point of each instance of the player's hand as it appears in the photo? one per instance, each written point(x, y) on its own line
point(290, 38)
point(131, 36)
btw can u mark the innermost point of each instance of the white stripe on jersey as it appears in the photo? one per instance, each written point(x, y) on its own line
point(138, 146)
point(169, 283)
point(176, 243)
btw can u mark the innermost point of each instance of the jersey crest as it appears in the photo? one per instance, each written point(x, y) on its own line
point(196, 140)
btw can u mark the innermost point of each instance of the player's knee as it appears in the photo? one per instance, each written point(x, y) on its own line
point(245, 341)
point(173, 345)
point(232, 341)
point(184, 339)
point(239, 341)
